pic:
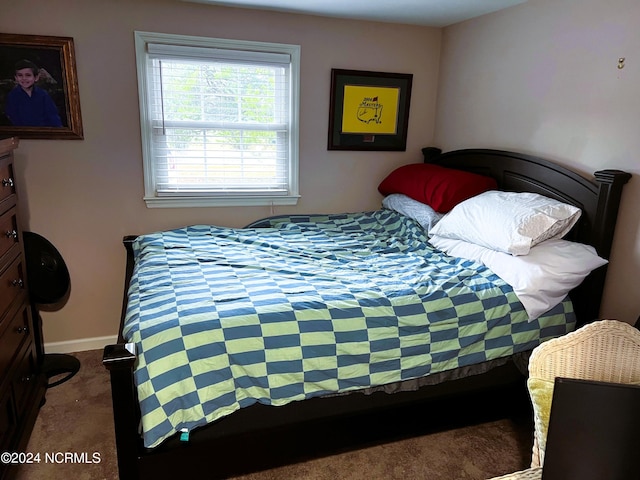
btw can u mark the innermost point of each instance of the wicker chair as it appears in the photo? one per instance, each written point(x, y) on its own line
point(605, 350)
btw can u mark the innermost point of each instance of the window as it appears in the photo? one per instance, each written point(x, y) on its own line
point(219, 121)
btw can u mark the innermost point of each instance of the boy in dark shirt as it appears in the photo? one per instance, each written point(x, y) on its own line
point(27, 104)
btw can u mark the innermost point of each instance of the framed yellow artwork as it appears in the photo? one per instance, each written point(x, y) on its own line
point(369, 110)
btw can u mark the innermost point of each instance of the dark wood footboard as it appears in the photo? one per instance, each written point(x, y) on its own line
point(120, 360)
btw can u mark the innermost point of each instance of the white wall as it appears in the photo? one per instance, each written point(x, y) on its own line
point(543, 78)
point(85, 195)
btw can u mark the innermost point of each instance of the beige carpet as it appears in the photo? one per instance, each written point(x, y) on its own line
point(77, 418)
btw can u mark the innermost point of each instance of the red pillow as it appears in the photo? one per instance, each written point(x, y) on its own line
point(439, 187)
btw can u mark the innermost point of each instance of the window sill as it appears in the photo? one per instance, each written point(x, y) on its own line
point(226, 201)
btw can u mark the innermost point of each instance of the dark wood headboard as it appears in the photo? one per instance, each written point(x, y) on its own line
point(599, 201)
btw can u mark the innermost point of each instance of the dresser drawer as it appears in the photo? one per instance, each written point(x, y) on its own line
point(13, 337)
point(7, 420)
point(7, 187)
point(24, 380)
point(8, 231)
point(12, 284)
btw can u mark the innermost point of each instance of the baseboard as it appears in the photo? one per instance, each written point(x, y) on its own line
point(81, 345)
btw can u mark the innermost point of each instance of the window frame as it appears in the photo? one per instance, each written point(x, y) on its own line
point(151, 197)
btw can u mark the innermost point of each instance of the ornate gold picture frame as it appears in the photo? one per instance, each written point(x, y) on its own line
point(39, 95)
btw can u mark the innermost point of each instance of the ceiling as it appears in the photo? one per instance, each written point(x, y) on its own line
point(433, 13)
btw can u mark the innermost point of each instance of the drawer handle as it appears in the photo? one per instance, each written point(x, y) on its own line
point(24, 330)
point(7, 182)
point(17, 283)
point(11, 234)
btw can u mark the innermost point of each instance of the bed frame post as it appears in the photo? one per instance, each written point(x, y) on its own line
point(119, 360)
point(610, 183)
point(431, 154)
point(127, 241)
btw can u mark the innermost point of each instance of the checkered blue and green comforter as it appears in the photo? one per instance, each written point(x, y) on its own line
point(223, 318)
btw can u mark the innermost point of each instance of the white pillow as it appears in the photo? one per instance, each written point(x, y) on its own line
point(541, 279)
point(508, 222)
point(420, 212)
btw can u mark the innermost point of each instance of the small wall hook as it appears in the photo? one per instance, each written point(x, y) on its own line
point(621, 63)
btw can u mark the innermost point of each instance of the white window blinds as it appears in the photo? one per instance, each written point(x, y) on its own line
point(221, 121)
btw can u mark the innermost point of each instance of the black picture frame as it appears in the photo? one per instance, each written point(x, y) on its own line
point(353, 123)
point(57, 76)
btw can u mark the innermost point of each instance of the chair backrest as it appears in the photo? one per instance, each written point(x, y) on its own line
point(605, 350)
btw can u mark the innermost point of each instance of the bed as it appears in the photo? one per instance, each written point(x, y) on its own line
point(313, 351)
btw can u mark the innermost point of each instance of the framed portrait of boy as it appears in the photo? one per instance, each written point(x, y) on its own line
point(39, 95)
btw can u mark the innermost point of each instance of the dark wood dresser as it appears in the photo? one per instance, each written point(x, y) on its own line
point(22, 386)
